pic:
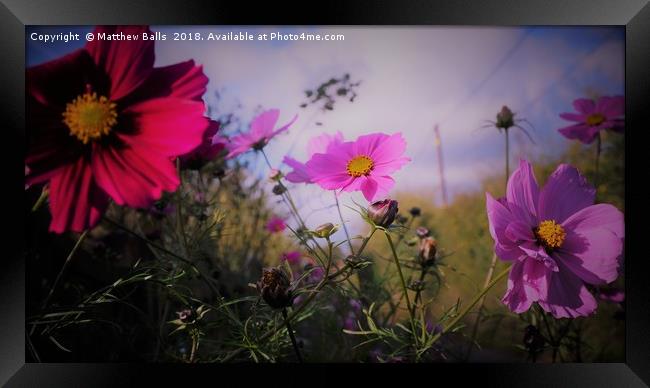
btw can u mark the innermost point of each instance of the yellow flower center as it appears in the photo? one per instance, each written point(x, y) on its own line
point(550, 234)
point(89, 117)
point(359, 166)
point(595, 119)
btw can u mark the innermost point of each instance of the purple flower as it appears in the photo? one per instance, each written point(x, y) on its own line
point(592, 117)
point(292, 257)
point(276, 225)
point(556, 239)
point(261, 131)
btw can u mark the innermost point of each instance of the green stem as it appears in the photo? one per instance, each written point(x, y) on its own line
point(345, 228)
point(74, 250)
point(179, 214)
point(404, 289)
point(471, 304)
point(41, 199)
point(291, 335)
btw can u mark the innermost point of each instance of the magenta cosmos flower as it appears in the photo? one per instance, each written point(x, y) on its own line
point(316, 145)
point(104, 123)
point(261, 131)
point(362, 165)
point(276, 225)
point(593, 117)
point(556, 239)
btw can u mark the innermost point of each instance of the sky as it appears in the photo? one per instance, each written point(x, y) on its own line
point(411, 79)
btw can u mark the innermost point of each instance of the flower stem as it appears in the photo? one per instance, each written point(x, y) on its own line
point(404, 289)
point(74, 250)
point(41, 199)
point(345, 228)
point(471, 304)
point(195, 346)
point(293, 338)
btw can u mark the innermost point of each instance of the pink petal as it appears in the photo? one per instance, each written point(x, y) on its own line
point(55, 83)
point(566, 191)
point(263, 124)
point(584, 105)
point(299, 174)
point(133, 177)
point(320, 144)
point(573, 117)
point(384, 184)
point(611, 107)
point(368, 188)
point(127, 63)
point(284, 127)
point(389, 149)
point(522, 194)
point(499, 217)
point(567, 296)
point(168, 126)
point(76, 203)
point(181, 80)
point(582, 132)
point(516, 297)
point(594, 242)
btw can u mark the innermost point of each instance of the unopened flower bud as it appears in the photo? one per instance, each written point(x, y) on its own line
point(325, 230)
point(422, 232)
point(279, 189)
point(415, 211)
point(275, 288)
point(400, 219)
point(427, 254)
point(275, 175)
point(505, 118)
point(383, 212)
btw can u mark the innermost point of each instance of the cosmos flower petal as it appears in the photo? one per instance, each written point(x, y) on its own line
point(584, 105)
point(300, 173)
point(523, 194)
point(516, 297)
point(76, 203)
point(611, 106)
point(499, 217)
point(133, 177)
point(127, 63)
point(390, 149)
point(567, 296)
point(284, 127)
point(157, 122)
point(368, 187)
point(566, 191)
point(578, 117)
point(180, 80)
point(320, 144)
point(594, 243)
point(582, 132)
point(263, 124)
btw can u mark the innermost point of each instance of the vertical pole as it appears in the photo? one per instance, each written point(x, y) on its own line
point(441, 168)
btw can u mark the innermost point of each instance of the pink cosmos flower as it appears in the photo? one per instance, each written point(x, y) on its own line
point(318, 144)
point(104, 123)
point(362, 165)
point(592, 117)
point(556, 239)
point(292, 257)
point(261, 131)
point(276, 225)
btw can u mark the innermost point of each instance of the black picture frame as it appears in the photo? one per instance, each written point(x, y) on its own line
point(633, 14)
